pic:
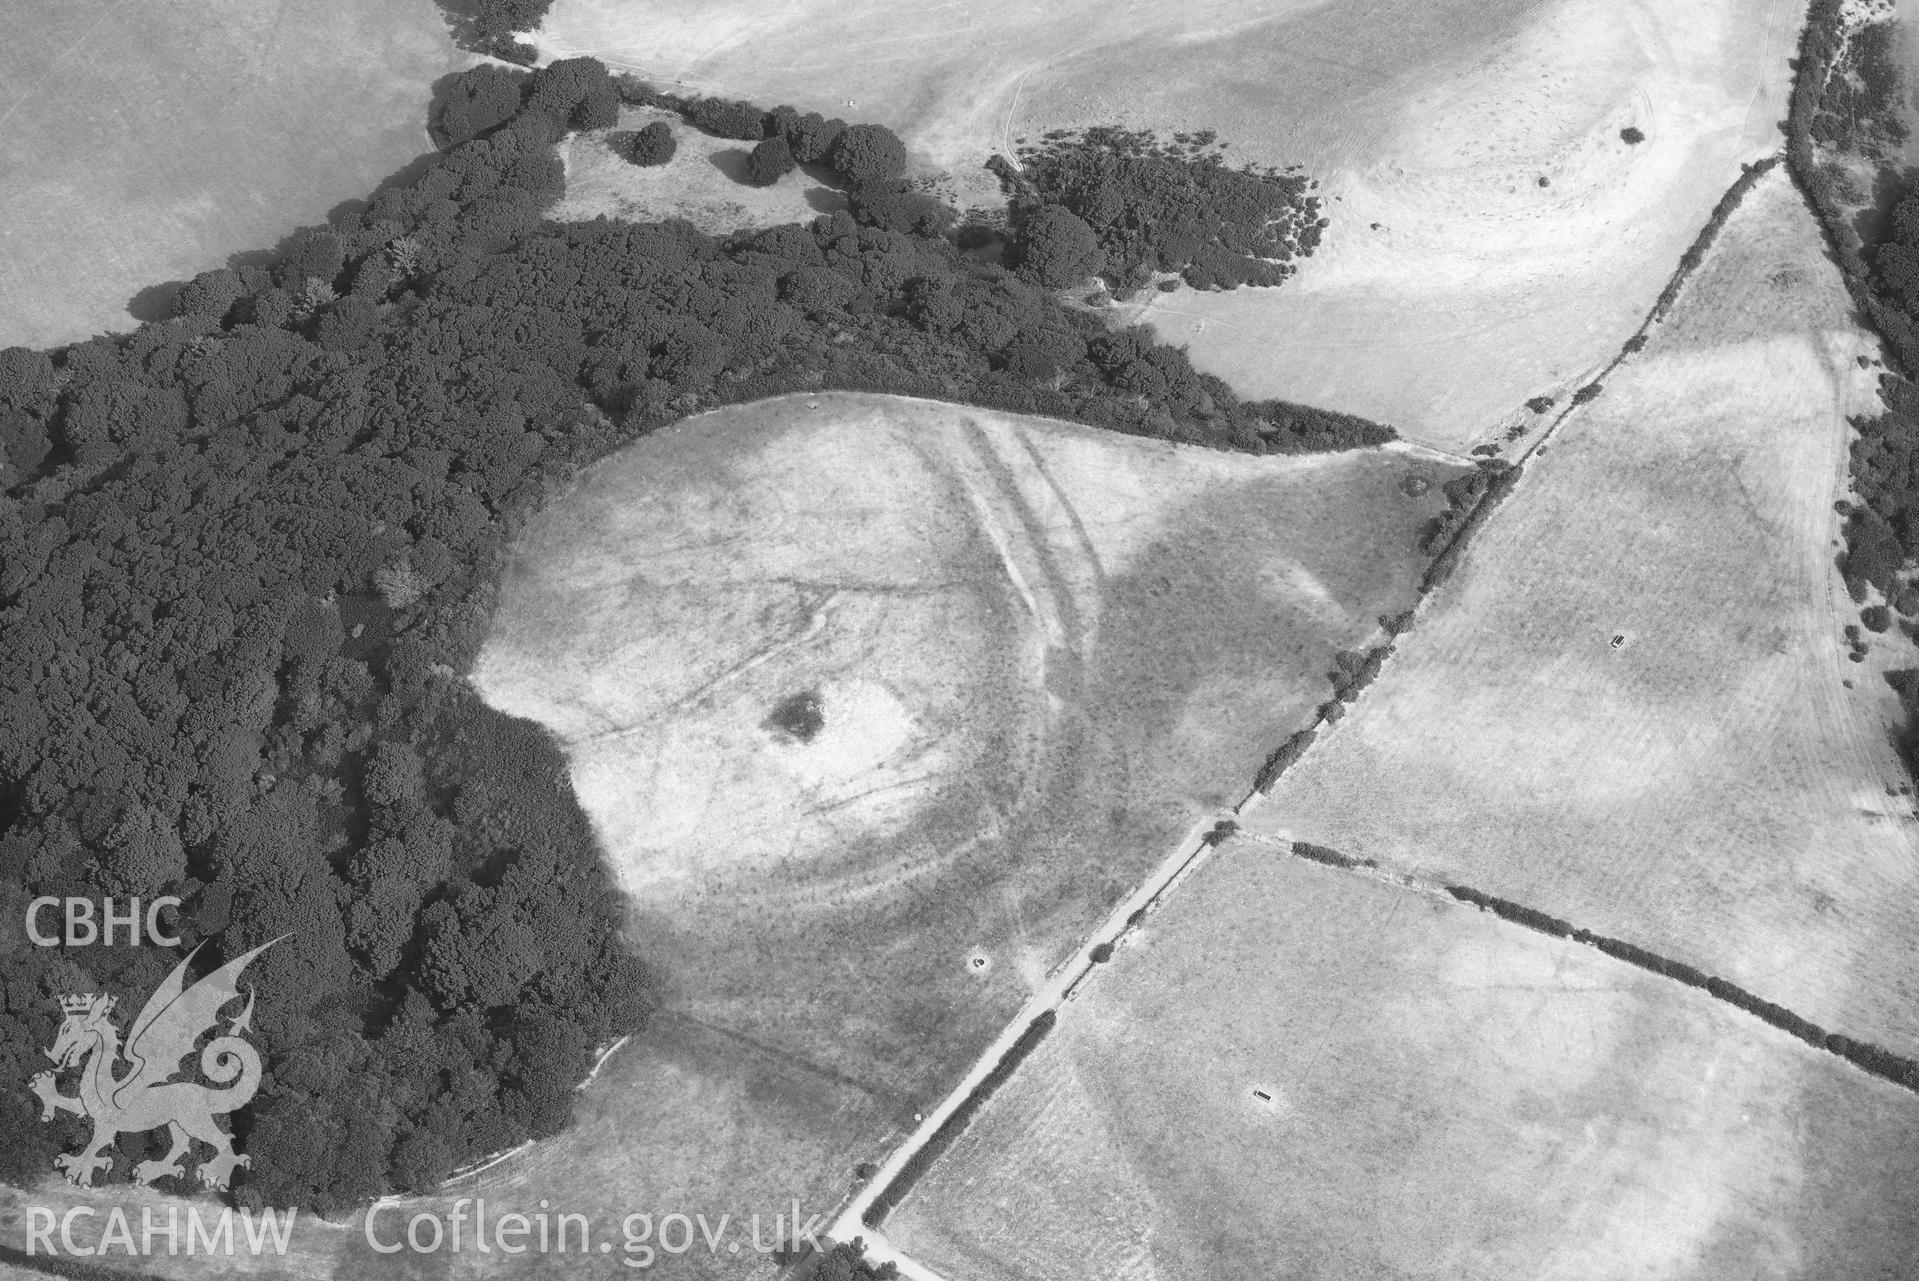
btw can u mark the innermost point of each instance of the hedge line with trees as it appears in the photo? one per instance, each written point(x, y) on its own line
point(955, 1124)
point(1329, 857)
point(1472, 499)
point(247, 553)
point(1871, 1058)
point(1848, 118)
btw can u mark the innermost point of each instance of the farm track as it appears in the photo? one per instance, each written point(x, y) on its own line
point(863, 1215)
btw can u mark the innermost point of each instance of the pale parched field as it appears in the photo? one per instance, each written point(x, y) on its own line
point(700, 184)
point(1498, 239)
point(1039, 655)
point(1448, 1096)
point(1478, 288)
point(1708, 788)
point(147, 142)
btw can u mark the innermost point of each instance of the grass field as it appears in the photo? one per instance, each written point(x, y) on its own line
point(1039, 654)
point(147, 142)
point(701, 183)
point(1716, 785)
point(1448, 1096)
point(1452, 285)
point(1497, 239)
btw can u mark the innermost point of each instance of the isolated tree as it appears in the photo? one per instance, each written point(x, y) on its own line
point(1632, 135)
point(653, 145)
point(770, 160)
point(864, 154)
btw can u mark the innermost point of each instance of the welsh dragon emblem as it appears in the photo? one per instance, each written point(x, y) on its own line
point(144, 1095)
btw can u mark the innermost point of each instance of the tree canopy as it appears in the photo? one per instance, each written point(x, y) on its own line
point(867, 153)
point(1058, 248)
point(1164, 207)
point(768, 162)
point(651, 144)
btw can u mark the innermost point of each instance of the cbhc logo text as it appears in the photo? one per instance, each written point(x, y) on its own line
point(84, 928)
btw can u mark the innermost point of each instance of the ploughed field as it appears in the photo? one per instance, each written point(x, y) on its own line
point(878, 706)
point(1493, 236)
point(147, 142)
point(1630, 707)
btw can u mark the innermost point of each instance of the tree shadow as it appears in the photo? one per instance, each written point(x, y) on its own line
point(155, 302)
point(828, 192)
point(825, 199)
point(731, 161)
point(346, 211)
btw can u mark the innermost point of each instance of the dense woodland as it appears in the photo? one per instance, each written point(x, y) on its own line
point(1850, 114)
point(247, 555)
point(1123, 205)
